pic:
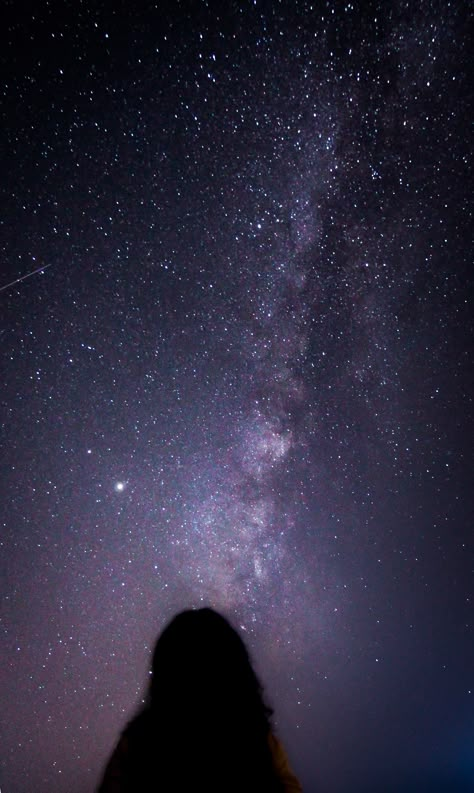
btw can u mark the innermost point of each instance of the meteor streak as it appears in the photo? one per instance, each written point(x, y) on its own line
point(24, 277)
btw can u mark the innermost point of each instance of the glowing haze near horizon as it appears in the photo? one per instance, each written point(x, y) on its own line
point(243, 380)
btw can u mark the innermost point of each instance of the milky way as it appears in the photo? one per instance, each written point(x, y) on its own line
point(236, 370)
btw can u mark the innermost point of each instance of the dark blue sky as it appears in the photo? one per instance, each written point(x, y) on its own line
point(243, 380)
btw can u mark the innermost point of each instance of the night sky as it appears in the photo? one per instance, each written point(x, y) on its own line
point(239, 374)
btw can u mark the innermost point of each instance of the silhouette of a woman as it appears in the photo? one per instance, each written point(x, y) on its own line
point(205, 726)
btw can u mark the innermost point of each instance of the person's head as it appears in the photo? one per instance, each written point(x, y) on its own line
point(205, 724)
point(201, 666)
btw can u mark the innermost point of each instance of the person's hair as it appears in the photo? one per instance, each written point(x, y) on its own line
point(205, 724)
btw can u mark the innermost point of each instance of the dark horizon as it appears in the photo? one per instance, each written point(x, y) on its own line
point(237, 336)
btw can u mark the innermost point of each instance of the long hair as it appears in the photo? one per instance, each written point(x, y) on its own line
point(205, 724)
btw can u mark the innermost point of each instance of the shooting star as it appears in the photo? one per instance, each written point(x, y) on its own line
point(24, 277)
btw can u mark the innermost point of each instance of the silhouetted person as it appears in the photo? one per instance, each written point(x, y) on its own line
point(205, 726)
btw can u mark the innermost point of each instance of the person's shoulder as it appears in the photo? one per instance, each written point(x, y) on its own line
point(276, 746)
point(112, 780)
point(282, 766)
point(138, 726)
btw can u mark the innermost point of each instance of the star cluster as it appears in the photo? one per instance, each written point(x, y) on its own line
point(236, 371)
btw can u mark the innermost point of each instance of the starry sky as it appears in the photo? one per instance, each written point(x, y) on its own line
point(236, 370)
